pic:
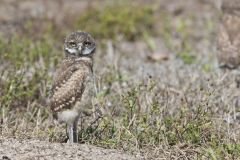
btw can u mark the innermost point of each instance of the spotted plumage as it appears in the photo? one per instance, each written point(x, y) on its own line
point(69, 83)
point(73, 82)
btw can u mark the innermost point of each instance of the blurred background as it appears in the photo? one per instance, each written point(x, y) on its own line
point(157, 77)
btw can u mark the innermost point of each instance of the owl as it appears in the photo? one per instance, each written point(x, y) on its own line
point(229, 35)
point(72, 83)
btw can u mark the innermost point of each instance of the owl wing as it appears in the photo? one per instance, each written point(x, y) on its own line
point(63, 73)
point(68, 87)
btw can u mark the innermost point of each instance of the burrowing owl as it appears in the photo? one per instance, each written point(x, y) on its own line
point(71, 84)
point(229, 35)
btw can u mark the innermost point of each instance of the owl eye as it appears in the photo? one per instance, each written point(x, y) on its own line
point(72, 44)
point(87, 43)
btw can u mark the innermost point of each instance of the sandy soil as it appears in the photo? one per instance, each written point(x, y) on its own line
point(35, 149)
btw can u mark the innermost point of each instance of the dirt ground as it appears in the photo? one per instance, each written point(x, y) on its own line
point(34, 149)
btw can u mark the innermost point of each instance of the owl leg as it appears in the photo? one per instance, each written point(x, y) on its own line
point(75, 133)
point(70, 133)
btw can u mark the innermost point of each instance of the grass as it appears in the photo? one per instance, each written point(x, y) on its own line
point(170, 110)
point(115, 21)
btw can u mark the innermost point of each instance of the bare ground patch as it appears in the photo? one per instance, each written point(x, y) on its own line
point(34, 149)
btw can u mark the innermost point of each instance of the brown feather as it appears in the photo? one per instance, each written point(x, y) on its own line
point(229, 41)
point(69, 83)
point(231, 6)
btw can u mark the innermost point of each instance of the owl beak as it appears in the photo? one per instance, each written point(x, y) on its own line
point(80, 47)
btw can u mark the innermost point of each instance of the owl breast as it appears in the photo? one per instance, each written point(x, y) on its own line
point(85, 104)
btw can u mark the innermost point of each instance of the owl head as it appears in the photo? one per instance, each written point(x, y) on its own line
point(79, 44)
